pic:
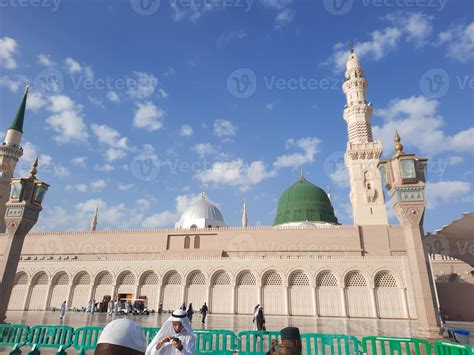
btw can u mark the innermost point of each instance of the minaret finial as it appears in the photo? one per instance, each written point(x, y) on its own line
point(301, 174)
point(398, 145)
point(203, 195)
point(329, 194)
point(33, 171)
point(27, 89)
point(244, 215)
point(351, 47)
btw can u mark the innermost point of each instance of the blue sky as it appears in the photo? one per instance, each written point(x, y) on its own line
point(137, 106)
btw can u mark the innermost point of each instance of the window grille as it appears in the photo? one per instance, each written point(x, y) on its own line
point(197, 278)
point(299, 278)
point(326, 279)
point(246, 278)
point(126, 279)
point(41, 279)
point(62, 279)
point(355, 279)
point(104, 279)
point(150, 278)
point(173, 278)
point(385, 279)
point(21, 278)
point(272, 279)
point(221, 278)
point(83, 279)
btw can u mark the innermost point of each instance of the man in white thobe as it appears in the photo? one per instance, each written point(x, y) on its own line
point(176, 336)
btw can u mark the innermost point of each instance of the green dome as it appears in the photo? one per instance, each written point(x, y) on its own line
point(302, 202)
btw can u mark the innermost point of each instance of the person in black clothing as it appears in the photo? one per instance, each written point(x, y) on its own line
point(190, 312)
point(204, 310)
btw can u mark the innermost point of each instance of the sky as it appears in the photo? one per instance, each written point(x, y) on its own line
point(136, 106)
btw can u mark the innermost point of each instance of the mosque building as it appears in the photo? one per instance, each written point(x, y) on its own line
point(305, 264)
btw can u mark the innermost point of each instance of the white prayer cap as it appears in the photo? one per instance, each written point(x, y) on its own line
point(124, 332)
point(178, 315)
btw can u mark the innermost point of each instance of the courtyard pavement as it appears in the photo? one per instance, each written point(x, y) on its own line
point(358, 327)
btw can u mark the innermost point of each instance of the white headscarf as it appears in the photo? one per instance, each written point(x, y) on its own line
point(167, 330)
point(124, 332)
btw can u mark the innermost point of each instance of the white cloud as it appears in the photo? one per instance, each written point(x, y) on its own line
point(47, 166)
point(112, 154)
point(226, 38)
point(45, 60)
point(8, 48)
point(236, 173)
point(186, 131)
point(98, 184)
point(459, 41)
point(148, 116)
point(455, 160)
point(113, 96)
point(78, 188)
point(72, 66)
point(105, 167)
point(165, 218)
point(416, 26)
point(284, 18)
point(340, 175)
point(125, 187)
point(446, 191)
point(35, 101)
point(185, 201)
point(11, 84)
point(204, 149)
point(109, 136)
point(191, 12)
point(224, 129)
point(142, 85)
point(79, 161)
point(66, 120)
point(276, 4)
point(376, 48)
point(419, 114)
point(163, 94)
point(96, 101)
point(308, 145)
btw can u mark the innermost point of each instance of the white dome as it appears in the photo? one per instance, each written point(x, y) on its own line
point(202, 214)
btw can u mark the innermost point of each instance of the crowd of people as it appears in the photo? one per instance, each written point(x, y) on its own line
point(176, 336)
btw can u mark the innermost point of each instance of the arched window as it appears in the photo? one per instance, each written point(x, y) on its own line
point(196, 278)
point(221, 278)
point(355, 279)
point(127, 278)
point(172, 278)
point(197, 242)
point(298, 278)
point(104, 279)
point(186, 242)
point(272, 278)
point(82, 278)
point(41, 279)
point(149, 278)
point(61, 279)
point(21, 278)
point(326, 279)
point(385, 279)
point(246, 278)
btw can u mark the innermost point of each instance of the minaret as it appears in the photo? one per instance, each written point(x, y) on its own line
point(94, 220)
point(362, 153)
point(244, 216)
point(10, 152)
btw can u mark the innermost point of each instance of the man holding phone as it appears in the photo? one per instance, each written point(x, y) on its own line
point(176, 336)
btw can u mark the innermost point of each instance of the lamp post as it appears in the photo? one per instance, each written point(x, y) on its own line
point(22, 212)
point(405, 179)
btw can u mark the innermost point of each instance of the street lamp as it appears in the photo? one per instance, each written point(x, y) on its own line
point(22, 212)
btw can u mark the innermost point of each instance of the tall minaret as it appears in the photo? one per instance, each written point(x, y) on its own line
point(244, 216)
point(10, 152)
point(94, 220)
point(362, 153)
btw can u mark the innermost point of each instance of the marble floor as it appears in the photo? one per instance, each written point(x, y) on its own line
point(358, 327)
